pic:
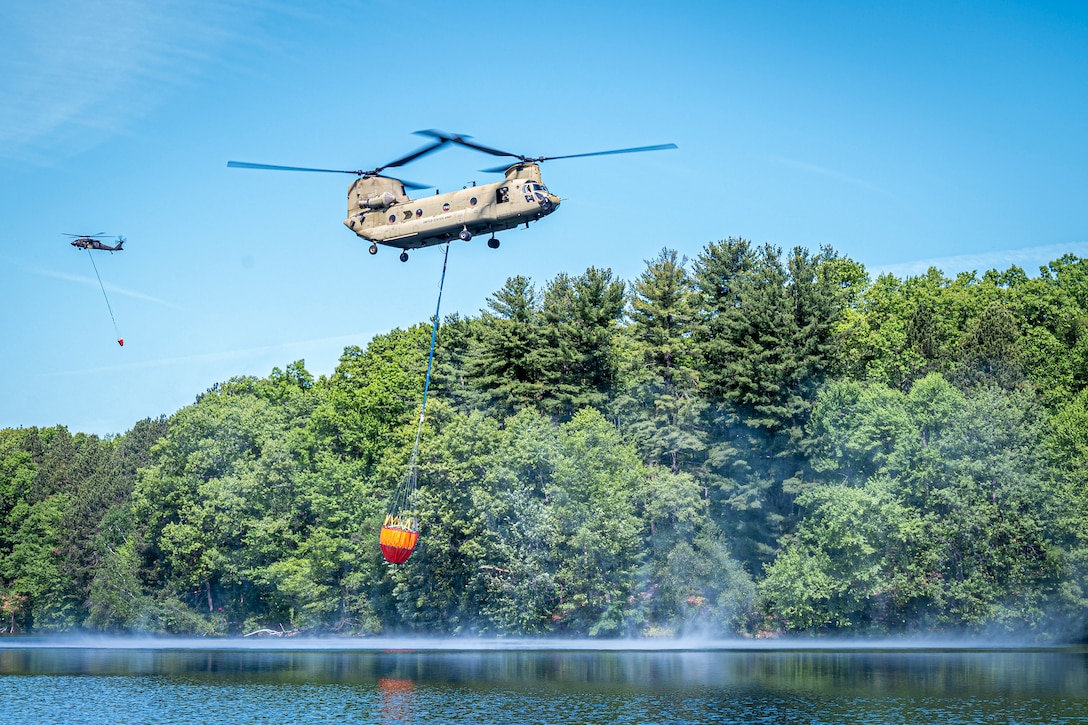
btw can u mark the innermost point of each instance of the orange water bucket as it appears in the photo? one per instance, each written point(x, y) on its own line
point(398, 539)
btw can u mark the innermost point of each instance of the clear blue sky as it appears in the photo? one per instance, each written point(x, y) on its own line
point(905, 134)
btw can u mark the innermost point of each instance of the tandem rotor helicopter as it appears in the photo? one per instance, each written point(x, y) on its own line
point(94, 241)
point(381, 212)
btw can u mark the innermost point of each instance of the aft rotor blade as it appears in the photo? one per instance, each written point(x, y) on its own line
point(413, 156)
point(357, 172)
point(462, 141)
point(500, 169)
point(272, 167)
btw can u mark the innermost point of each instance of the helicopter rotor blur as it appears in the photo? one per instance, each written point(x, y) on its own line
point(381, 212)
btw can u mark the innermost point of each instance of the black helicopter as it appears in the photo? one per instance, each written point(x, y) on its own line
point(93, 241)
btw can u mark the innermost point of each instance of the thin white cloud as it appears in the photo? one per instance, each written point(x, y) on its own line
point(219, 356)
point(1028, 258)
point(110, 289)
point(76, 72)
point(830, 173)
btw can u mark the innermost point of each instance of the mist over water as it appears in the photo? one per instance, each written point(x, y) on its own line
point(93, 679)
point(454, 644)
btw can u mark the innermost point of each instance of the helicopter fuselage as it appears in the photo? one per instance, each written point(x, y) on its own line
point(381, 212)
point(89, 243)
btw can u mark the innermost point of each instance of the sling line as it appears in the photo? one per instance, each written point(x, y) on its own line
point(400, 531)
point(108, 307)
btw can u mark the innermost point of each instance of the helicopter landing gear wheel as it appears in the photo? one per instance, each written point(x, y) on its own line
point(373, 249)
point(404, 256)
point(465, 234)
point(493, 243)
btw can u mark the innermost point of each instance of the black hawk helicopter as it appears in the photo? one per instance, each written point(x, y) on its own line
point(93, 241)
point(381, 212)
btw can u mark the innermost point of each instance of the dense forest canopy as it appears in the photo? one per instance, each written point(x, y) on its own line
point(748, 443)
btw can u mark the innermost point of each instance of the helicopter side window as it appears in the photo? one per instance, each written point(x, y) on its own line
point(502, 195)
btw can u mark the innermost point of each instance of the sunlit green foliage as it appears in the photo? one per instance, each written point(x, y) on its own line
point(748, 442)
point(946, 522)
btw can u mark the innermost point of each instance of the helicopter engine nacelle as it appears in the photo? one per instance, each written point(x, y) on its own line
point(378, 202)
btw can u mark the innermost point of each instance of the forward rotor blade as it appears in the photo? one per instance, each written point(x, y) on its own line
point(541, 159)
point(272, 167)
point(658, 147)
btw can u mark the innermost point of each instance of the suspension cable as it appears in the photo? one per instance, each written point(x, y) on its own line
point(402, 507)
point(108, 307)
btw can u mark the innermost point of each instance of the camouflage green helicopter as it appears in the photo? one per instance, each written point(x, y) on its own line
point(381, 212)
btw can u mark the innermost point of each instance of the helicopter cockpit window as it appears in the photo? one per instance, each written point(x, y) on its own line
point(537, 191)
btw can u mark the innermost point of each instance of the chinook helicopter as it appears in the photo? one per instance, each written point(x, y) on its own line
point(381, 212)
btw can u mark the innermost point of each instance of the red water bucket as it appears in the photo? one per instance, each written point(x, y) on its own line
point(398, 540)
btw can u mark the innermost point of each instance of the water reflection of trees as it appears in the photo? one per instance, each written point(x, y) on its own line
point(929, 673)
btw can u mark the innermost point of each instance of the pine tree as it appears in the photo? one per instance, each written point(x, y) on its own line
point(580, 319)
point(662, 398)
point(507, 363)
point(767, 338)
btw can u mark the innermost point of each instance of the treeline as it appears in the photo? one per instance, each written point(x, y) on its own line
point(748, 443)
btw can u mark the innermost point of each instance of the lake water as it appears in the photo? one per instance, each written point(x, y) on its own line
point(485, 682)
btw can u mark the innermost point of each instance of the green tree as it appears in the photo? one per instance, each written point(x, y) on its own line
point(689, 580)
point(525, 551)
point(847, 567)
point(33, 566)
point(661, 402)
point(769, 338)
point(442, 588)
point(967, 473)
point(218, 504)
point(507, 364)
point(990, 349)
point(373, 391)
point(595, 479)
point(580, 318)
